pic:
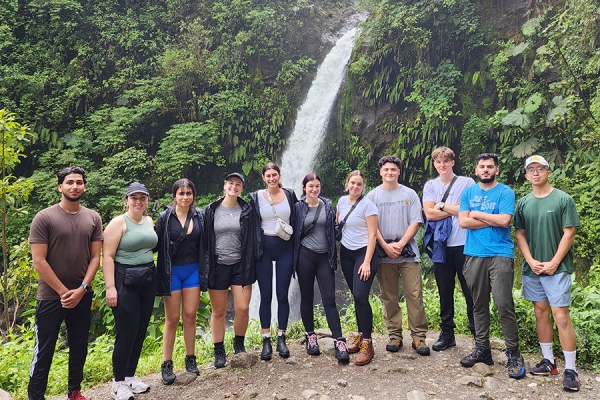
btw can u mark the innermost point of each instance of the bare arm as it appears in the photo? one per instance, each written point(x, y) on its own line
point(410, 233)
point(499, 220)
point(524, 247)
point(39, 251)
point(467, 222)
point(433, 212)
point(364, 271)
point(112, 236)
point(550, 267)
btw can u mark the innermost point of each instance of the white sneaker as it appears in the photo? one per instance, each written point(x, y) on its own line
point(120, 391)
point(136, 385)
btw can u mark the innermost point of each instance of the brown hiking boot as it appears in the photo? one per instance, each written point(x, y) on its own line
point(421, 347)
point(366, 353)
point(354, 346)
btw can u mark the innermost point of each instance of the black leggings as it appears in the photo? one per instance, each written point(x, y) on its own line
point(351, 261)
point(313, 265)
point(132, 315)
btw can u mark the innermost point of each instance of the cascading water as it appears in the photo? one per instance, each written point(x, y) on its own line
point(305, 142)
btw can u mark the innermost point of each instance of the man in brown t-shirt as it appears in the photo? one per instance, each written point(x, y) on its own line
point(65, 239)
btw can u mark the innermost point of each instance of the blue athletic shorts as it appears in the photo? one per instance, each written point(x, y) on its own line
point(185, 276)
point(554, 289)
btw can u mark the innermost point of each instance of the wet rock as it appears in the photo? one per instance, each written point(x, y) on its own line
point(243, 360)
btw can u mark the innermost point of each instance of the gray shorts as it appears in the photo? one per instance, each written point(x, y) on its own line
point(554, 289)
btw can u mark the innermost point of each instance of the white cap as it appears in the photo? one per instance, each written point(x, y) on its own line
point(536, 159)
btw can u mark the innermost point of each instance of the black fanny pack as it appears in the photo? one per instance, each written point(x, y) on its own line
point(136, 275)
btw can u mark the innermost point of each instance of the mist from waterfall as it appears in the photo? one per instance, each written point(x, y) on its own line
point(304, 144)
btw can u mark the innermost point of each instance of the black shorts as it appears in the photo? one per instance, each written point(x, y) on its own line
point(227, 275)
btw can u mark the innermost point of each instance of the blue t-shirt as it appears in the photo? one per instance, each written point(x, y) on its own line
point(492, 241)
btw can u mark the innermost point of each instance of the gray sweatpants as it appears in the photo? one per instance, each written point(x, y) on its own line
point(493, 275)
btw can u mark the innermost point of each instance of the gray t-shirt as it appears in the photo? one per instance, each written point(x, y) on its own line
point(316, 240)
point(355, 234)
point(228, 234)
point(434, 191)
point(397, 209)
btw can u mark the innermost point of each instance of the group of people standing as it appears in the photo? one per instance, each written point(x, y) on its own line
point(233, 243)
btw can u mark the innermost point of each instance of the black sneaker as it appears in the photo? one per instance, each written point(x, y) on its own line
point(516, 365)
point(282, 348)
point(267, 350)
point(394, 344)
point(167, 374)
point(445, 341)
point(544, 367)
point(312, 346)
point(478, 355)
point(341, 351)
point(190, 364)
point(238, 345)
point(220, 357)
point(571, 380)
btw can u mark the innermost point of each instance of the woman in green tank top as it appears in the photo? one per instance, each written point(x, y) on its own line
point(129, 240)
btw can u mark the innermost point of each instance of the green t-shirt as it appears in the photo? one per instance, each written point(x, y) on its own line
point(543, 220)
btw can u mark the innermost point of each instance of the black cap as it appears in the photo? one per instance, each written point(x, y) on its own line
point(236, 175)
point(136, 187)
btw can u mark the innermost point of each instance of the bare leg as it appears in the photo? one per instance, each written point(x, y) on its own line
point(191, 299)
point(172, 307)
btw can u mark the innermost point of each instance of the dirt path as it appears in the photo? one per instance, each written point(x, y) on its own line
point(389, 376)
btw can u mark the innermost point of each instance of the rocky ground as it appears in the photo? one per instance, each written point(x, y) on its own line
point(401, 375)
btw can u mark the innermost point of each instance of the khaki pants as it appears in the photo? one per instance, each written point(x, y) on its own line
point(412, 283)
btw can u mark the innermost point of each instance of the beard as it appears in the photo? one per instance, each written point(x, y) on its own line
point(487, 180)
point(72, 199)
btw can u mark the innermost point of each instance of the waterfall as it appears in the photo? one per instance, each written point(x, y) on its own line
point(304, 144)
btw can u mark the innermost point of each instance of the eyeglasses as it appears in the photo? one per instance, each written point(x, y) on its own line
point(536, 169)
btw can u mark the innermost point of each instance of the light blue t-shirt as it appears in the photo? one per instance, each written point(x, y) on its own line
point(492, 241)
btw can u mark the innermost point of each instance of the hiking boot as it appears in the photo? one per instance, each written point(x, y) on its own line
point(238, 345)
point(516, 365)
point(545, 367)
point(341, 351)
point(354, 346)
point(312, 346)
point(76, 395)
point(220, 357)
point(282, 348)
point(167, 374)
point(136, 385)
point(445, 341)
point(479, 355)
point(120, 391)
point(571, 380)
point(267, 350)
point(393, 345)
point(190, 364)
point(365, 353)
point(421, 347)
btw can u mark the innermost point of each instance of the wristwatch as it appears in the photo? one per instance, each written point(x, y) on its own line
point(442, 205)
point(86, 287)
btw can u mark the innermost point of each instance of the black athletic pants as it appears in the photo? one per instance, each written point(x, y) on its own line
point(49, 315)
point(313, 265)
point(351, 260)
